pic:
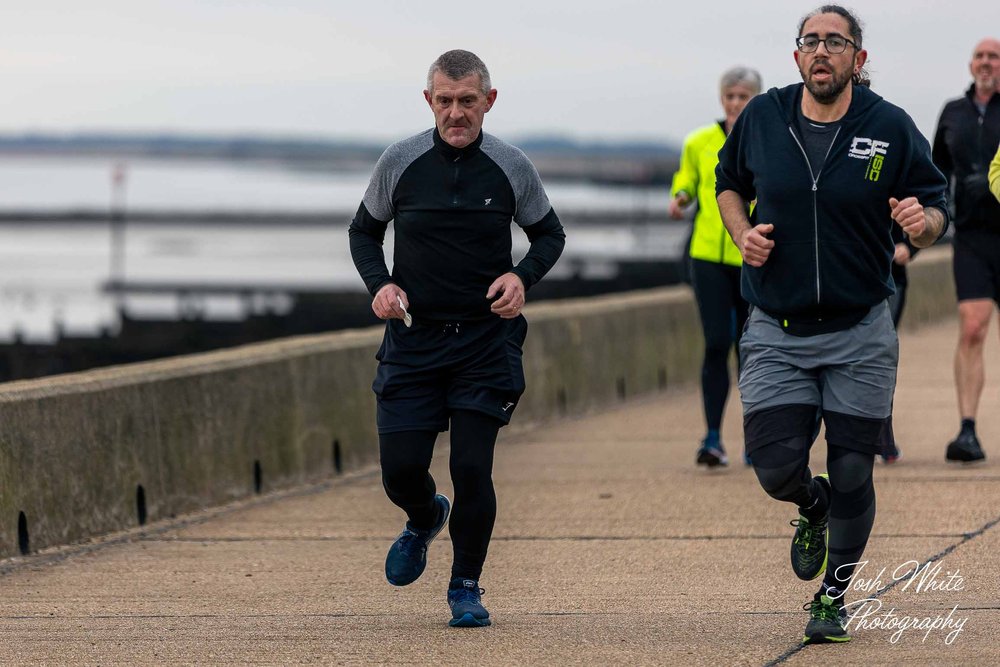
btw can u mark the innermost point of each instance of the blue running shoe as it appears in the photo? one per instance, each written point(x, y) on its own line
point(465, 600)
point(407, 556)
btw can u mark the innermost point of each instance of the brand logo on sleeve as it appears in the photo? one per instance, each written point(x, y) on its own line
point(873, 150)
point(488, 201)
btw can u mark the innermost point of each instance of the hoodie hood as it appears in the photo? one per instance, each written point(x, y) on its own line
point(862, 101)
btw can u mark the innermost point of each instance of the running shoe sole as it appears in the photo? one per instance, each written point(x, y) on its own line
point(820, 638)
point(964, 458)
point(469, 621)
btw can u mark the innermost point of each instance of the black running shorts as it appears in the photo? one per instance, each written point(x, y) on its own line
point(976, 265)
point(433, 368)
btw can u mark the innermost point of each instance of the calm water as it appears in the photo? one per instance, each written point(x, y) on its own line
point(52, 274)
point(37, 183)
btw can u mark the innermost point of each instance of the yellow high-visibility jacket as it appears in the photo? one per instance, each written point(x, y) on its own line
point(995, 175)
point(710, 241)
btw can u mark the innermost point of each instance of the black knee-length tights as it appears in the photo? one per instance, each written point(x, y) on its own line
point(783, 470)
point(406, 459)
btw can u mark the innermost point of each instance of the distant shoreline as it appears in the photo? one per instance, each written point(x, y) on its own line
point(277, 218)
point(619, 163)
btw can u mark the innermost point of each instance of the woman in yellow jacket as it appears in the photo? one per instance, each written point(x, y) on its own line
point(715, 260)
point(995, 175)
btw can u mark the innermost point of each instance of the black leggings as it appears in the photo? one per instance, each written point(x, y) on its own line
point(783, 470)
point(406, 459)
point(723, 313)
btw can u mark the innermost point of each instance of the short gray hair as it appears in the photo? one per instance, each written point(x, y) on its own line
point(741, 76)
point(458, 64)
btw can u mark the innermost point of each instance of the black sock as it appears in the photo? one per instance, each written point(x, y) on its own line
point(830, 591)
point(968, 427)
point(821, 502)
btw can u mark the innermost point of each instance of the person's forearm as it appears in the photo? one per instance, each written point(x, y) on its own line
point(369, 260)
point(733, 209)
point(547, 240)
point(934, 224)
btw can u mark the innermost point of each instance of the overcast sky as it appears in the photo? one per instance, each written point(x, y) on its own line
point(355, 69)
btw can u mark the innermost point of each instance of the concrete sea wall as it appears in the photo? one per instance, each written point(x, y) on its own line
point(90, 453)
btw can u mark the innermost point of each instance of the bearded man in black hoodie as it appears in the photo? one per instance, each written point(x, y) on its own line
point(830, 167)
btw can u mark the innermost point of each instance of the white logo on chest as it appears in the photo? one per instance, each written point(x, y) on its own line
point(862, 148)
point(488, 201)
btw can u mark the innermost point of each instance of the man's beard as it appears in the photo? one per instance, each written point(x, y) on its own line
point(987, 82)
point(829, 91)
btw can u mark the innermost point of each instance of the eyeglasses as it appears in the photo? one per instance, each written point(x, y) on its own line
point(834, 43)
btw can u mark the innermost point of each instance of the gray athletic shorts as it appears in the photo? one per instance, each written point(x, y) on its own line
point(850, 372)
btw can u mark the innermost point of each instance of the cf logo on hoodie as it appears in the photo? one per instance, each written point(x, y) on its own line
point(872, 150)
point(863, 149)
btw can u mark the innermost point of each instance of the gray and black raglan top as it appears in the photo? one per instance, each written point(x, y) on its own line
point(452, 210)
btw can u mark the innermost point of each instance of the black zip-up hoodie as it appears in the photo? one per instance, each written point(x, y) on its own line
point(832, 230)
point(964, 146)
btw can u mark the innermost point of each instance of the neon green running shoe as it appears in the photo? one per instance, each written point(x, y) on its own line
point(827, 619)
point(809, 546)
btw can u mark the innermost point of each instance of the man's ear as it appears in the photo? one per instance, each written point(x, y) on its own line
point(860, 59)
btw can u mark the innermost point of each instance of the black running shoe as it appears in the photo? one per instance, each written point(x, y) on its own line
point(407, 556)
point(466, 602)
point(809, 550)
point(712, 453)
point(827, 620)
point(965, 448)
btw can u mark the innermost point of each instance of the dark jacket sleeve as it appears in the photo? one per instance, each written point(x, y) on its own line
point(547, 242)
point(367, 234)
point(732, 172)
point(921, 178)
point(941, 154)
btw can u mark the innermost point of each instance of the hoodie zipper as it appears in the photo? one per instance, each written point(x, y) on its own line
point(980, 118)
point(815, 187)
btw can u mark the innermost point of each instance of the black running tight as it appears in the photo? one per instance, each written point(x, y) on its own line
point(723, 312)
point(783, 470)
point(406, 459)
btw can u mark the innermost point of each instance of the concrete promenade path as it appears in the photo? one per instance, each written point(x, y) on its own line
point(611, 547)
